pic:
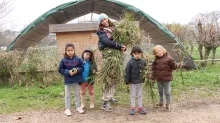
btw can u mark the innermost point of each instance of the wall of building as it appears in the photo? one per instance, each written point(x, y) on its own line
point(82, 40)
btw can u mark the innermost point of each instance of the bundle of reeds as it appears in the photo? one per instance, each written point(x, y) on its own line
point(112, 68)
point(180, 55)
point(126, 32)
point(149, 82)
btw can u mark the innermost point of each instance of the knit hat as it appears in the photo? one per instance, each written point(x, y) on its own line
point(101, 17)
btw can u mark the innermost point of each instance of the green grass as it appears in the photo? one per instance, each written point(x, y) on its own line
point(16, 99)
point(201, 83)
point(198, 84)
point(195, 53)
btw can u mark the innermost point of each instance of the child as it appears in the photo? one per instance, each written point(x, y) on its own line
point(71, 68)
point(106, 41)
point(134, 78)
point(162, 68)
point(90, 69)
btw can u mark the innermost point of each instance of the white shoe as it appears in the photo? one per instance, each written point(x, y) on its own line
point(68, 112)
point(80, 110)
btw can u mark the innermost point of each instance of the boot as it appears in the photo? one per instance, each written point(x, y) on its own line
point(82, 101)
point(92, 101)
point(159, 105)
point(167, 107)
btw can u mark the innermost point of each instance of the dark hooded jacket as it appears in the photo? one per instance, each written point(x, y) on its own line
point(133, 71)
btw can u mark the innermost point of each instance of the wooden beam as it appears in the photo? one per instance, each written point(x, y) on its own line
point(37, 71)
point(76, 27)
point(207, 60)
point(73, 27)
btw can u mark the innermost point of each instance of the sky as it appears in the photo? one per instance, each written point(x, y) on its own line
point(164, 11)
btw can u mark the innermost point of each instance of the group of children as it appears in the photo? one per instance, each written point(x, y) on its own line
point(79, 72)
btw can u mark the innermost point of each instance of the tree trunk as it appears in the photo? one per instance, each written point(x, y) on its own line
point(200, 48)
point(206, 56)
point(191, 49)
point(213, 54)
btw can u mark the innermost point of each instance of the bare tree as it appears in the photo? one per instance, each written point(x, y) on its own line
point(5, 9)
point(207, 33)
point(182, 32)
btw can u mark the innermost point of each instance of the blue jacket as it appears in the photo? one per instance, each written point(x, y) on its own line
point(66, 64)
point(104, 41)
point(85, 74)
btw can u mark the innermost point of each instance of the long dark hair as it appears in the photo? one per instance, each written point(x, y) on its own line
point(68, 45)
point(91, 58)
point(111, 24)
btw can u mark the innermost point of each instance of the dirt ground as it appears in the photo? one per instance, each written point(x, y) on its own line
point(202, 111)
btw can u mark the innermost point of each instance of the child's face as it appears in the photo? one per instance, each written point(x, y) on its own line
point(137, 55)
point(105, 22)
point(159, 53)
point(86, 55)
point(70, 52)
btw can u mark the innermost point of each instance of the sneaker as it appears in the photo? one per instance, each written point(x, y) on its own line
point(80, 110)
point(67, 112)
point(113, 100)
point(167, 107)
point(106, 107)
point(142, 111)
point(132, 112)
point(159, 105)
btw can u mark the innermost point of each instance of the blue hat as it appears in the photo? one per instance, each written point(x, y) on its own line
point(101, 17)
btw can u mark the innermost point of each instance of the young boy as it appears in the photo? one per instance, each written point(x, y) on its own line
point(133, 77)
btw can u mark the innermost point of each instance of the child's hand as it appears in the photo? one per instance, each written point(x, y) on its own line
point(179, 65)
point(149, 76)
point(71, 73)
point(75, 71)
point(128, 88)
point(123, 48)
point(93, 71)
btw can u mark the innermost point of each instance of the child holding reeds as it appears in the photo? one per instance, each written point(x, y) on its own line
point(90, 69)
point(133, 76)
point(71, 68)
point(162, 68)
point(106, 27)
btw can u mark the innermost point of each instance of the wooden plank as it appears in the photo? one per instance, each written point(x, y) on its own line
point(73, 27)
point(76, 27)
point(37, 71)
point(207, 60)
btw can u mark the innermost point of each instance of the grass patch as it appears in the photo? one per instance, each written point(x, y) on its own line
point(196, 56)
point(16, 98)
point(198, 84)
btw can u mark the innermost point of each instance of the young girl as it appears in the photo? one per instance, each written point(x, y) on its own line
point(90, 69)
point(133, 77)
point(106, 41)
point(71, 68)
point(162, 68)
